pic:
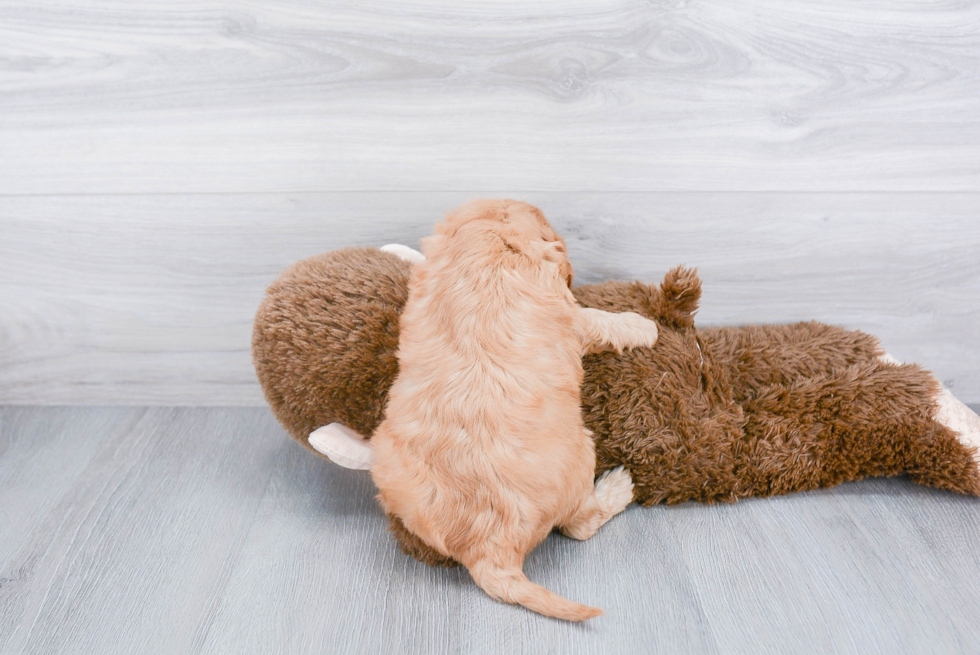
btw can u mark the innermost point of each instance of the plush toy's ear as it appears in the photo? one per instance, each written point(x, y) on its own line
point(671, 304)
point(342, 446)
point(681, 293)
point(410, 255)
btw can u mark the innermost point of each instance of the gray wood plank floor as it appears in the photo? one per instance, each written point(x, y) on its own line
point(206, 530)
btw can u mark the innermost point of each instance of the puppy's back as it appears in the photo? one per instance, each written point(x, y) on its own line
point(483, 449)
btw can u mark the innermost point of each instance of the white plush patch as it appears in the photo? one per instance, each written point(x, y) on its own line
point(342, 446)
point(960, 419)
point(404, 252)
point(954, 415)
point(888, 359)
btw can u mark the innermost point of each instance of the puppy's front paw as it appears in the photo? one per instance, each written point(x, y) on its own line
point(614, 490)
point(642, 331)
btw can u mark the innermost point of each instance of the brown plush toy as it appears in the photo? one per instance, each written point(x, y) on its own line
point(707, 414)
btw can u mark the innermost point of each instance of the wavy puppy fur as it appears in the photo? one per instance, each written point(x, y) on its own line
point(483, 450)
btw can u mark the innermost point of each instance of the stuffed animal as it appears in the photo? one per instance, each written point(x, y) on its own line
point(707, 415)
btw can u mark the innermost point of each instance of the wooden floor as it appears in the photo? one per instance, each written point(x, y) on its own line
point(206, 530)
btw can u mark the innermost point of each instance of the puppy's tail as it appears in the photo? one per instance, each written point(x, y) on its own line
point(512, 586)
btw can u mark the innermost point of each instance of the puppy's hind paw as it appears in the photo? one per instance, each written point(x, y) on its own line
point(614, 490)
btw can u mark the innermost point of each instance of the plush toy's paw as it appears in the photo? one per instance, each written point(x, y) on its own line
point(404, 252)
point(342, 446)
point(614, 490)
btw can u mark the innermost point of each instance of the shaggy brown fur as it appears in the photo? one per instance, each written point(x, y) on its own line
point(708, 415)
point(325, 339)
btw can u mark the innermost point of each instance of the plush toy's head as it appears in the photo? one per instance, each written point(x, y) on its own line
point(326, 337)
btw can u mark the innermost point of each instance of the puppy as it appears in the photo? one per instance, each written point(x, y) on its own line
point(483, 450)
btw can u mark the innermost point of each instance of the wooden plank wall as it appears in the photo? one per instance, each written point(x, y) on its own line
point(161, 162)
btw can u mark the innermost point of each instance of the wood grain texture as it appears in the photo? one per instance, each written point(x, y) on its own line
point(111, 96)
point(135, 553)
point(150, 299)
point(30, 442)
point(210, 531)
point(333, 580)
point(853, 574)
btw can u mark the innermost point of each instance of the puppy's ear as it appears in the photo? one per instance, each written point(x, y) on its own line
point(553, 254)
point(560, 255)
point(567, 272)
point(432, 244)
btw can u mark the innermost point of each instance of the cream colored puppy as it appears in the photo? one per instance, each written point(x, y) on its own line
point(483, 450)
